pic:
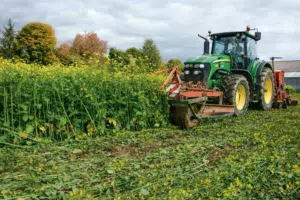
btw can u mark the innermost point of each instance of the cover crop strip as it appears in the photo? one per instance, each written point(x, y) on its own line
point(57, 102)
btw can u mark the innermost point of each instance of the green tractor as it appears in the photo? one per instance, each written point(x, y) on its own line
point(222, 82)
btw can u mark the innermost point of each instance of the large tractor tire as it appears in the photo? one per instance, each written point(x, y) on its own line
point(266, 89)
point(236, 92)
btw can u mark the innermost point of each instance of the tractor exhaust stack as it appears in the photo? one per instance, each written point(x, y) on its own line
point(206, 44)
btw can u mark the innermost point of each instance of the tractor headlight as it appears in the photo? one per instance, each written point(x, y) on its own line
point(197, 72)
point(202, 66)
point(186, 72)
point(186, 66)
point(197, 66)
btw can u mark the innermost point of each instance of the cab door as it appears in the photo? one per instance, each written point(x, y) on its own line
point(238, 55)
point(251, 54)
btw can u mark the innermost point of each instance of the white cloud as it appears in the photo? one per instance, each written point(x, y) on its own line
point(173, 25)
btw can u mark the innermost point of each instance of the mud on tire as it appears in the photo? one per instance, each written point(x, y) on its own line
point(264, 103)
point(230, 88)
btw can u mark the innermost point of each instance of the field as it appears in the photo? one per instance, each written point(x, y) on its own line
point(251, 157)
point(97, 133)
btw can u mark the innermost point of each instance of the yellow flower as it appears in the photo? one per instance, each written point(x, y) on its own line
point(296, 169)
point(238, 182)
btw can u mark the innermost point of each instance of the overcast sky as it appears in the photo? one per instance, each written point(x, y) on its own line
point(173, 25)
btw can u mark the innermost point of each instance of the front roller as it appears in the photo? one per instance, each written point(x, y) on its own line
point(294, 102)
point(188, 113)
point(182, 116)
point(285, 102)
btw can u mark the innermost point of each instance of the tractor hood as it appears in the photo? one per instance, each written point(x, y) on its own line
point(206, 59)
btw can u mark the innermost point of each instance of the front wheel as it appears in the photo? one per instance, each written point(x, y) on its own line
point(236, 92)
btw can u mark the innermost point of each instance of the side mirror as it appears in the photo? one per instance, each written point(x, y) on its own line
point(257, 35)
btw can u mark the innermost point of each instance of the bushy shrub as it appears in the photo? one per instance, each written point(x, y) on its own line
point(174, 62)
point(130, 61)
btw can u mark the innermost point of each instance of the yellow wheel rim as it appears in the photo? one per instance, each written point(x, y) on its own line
point(268, 90)
point(240, 97)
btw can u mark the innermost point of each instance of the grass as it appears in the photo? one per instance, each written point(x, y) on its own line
point(251, 157)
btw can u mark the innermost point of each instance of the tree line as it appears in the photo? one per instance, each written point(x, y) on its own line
point(36, 43)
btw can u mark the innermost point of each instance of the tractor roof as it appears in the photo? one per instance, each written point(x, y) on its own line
point(234, 33)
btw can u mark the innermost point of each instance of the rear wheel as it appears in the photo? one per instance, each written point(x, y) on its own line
point(236, 93)
point(266, 89)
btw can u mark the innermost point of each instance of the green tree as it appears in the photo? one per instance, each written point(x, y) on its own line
point(131, 61)
point(118, 56)
point(150, 50)
point(134, 52)
point(36, 43)
point(7, 42)
point(174, 62)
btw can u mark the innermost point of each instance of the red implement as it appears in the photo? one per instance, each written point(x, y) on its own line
point(282, 97)
point(189, 101)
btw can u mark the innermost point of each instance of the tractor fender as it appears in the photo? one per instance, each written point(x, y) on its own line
point(262, 65)
point(249, 78)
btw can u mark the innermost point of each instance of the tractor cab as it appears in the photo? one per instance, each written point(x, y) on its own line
point(230, 51)
point(240, 46)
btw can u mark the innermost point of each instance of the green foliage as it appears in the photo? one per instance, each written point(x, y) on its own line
point(58, 103)
point(135, 61)
point(174, 62)
point(36, 43)
point(255, 156)
point(134, 52)
point(119, 56)
point(291, 88)
point(131, 61)
point(7, 42)
point(150, 50)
